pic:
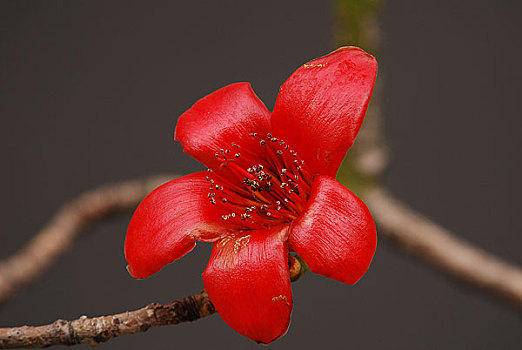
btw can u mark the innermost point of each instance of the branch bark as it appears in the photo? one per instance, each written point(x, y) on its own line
point(409, 230)
point(97, 330)
point(357, 22)
point(436, 246)
point(57, 236)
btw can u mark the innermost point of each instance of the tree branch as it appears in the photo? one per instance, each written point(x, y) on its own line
point(357, 21)
point(410, 231)
point(97, 330)
point(436, 246)
point(57, 236)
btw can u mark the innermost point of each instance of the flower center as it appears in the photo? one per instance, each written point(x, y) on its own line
point(262, 189)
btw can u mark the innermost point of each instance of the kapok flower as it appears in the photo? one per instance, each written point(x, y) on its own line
point(270, 189)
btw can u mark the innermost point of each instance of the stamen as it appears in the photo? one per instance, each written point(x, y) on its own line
point(259, 189)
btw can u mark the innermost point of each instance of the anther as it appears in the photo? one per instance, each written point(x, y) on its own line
point(272, 186)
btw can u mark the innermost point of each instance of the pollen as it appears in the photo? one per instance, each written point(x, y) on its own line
point(241, 242)
point(314, 65)
point(281, 297)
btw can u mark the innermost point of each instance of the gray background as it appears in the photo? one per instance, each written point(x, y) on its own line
point(90, 92)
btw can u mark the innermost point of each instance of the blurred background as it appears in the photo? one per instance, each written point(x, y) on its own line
point(90, 92)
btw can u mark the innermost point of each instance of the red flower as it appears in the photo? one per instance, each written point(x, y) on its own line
point(270, 189)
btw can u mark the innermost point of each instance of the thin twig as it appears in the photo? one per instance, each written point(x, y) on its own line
point(441, 249)
point(97, 330)
point(407, 229)
point(101, 329)
point(57, 236)
point(410, 231)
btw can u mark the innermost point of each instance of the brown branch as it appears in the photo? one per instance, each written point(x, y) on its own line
point(439, 248)
point(57, 236)
point(358, 21)
point(410, 231)
point(97, 330)
point(415, 234)
point(101, 329)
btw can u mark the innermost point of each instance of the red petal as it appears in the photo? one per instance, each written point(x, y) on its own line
point(166, 223)
point(320, 108)
point(335, 234)
point(226, 116)
point(247, 280)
